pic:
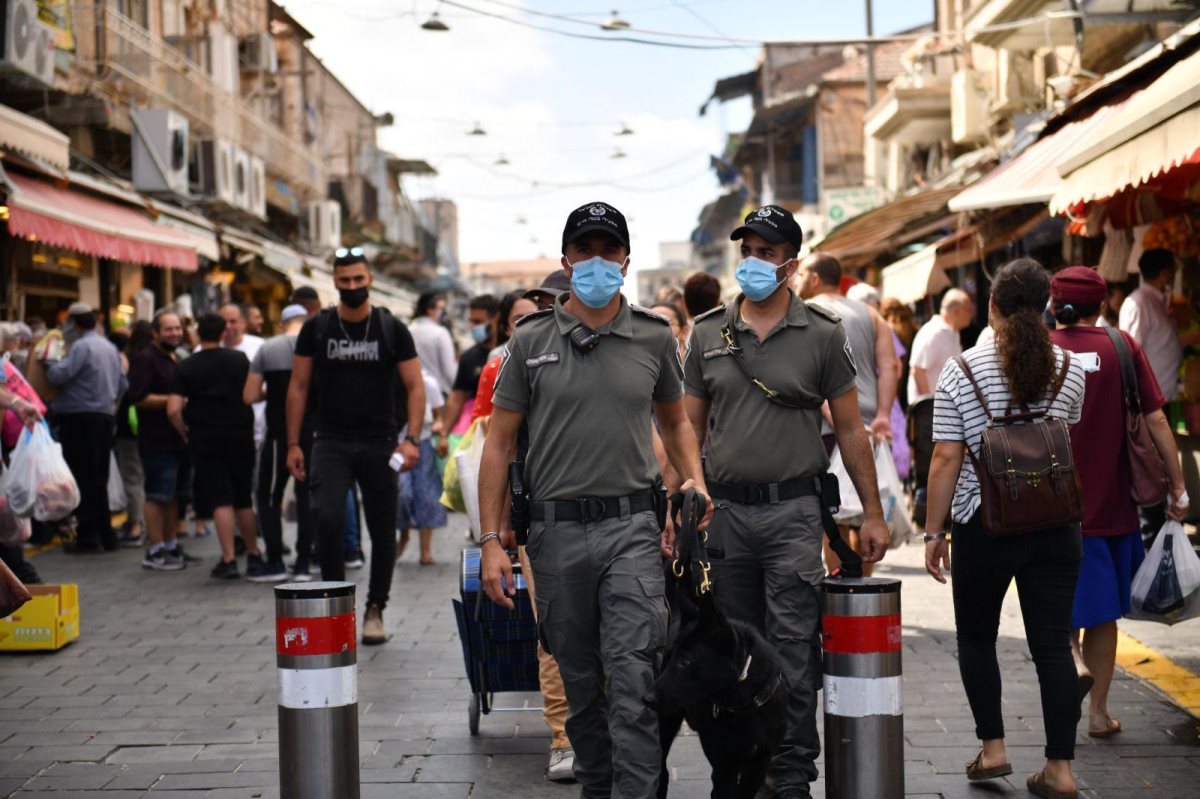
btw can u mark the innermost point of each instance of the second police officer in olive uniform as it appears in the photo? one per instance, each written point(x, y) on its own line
point(765, 460)
point(587, 374)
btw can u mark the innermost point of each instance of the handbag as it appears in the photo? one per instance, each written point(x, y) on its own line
point(1148, 481)
point(1025, 466)
point(13, 593)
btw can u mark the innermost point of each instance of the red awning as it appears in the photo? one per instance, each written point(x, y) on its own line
point(42, 211)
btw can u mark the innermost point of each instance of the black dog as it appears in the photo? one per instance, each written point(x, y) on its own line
point(728, 683)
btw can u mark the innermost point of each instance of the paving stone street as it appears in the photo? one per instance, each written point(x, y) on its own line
point(170, 691)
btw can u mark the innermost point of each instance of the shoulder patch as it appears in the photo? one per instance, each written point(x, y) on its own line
point(821, 311)
point(535, 315)
point(720, 309)
point(649, 314)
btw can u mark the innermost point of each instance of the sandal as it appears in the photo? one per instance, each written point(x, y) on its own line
point(1038, 787)
point(976, 772)
point(1114, 727)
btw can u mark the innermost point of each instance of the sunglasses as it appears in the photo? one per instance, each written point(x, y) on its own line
point(351, 254)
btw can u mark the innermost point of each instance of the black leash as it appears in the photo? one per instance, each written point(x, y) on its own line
point(691, 552)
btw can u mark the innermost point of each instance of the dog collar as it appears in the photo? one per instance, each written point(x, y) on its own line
point(757, 702)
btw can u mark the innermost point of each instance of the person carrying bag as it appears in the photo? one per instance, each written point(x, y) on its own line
point(1015, 511)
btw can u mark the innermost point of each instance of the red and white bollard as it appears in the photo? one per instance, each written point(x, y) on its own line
point(315, 644)
point(864, 704)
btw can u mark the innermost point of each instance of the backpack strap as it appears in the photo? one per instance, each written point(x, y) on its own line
point(387, 327)
point(1055, 389)
point(966, 370)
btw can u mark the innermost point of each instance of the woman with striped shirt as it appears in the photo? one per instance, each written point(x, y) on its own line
point(1017, 369)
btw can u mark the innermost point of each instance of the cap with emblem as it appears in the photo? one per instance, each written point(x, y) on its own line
point(595, 217)
point(774, 224)
point(555, 283)
point(79, 309)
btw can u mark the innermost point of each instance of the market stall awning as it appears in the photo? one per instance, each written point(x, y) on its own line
point(1032, 176)
point(42, 211)
point(889, 227)
point(34, 138)
point(1153, 133)
point(914, 277)
point(201, 232)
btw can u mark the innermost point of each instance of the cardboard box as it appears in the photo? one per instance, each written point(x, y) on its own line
point(48, 621)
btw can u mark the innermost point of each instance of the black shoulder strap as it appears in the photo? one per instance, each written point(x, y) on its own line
point(1129, 385)
point(325, 320)
point(729, 334)
point(387, 325)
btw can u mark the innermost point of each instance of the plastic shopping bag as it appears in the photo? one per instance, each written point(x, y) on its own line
point(116, 486)
point(891, 496)
point(468, 459)
point(14, 530)
point(38, 482)
point(851, 512)
point(1166, 587)
point(452, 482)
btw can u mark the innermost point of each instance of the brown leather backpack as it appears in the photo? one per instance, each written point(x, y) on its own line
point(1026, 470)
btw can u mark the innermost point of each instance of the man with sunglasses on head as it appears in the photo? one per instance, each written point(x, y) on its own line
point(763, 366)
point(355, 352)
point(586, 374)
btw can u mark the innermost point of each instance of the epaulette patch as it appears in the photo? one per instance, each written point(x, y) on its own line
point(534, 315)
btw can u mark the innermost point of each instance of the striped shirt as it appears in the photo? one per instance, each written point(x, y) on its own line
point(957, 415)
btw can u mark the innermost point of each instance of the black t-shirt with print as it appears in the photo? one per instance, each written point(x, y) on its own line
point(354, 366)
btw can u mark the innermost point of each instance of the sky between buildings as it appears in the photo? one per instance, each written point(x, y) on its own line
point(552, 104)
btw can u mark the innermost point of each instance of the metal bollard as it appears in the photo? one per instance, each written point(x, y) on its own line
point(315, 637)
point(864, 706)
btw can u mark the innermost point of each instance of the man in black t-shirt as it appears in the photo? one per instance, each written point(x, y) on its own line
point(205, 406)
point(355, 353)
point(482, 314)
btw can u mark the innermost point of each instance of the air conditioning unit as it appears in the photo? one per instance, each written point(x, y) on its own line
point(256, 189)
point(241, 178)
point(1016, 89)
point(27, 41)
point(160, 150)
point(257, 53)
point(325, 225)
point(968, 109)
point(214, 169)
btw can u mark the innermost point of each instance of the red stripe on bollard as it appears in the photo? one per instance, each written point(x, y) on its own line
point(323, 635)
point(856, 635)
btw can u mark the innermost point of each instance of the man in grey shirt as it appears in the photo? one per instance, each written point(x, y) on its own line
point(90, 382)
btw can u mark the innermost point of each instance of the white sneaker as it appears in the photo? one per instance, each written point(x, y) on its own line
point(562, 765)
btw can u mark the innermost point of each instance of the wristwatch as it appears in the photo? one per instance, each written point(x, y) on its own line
point(934, 537)
point(414, 440)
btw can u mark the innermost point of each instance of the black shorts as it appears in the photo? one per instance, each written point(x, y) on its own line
point(223, 479)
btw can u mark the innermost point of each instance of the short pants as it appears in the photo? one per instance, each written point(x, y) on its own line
point(224, 479)
point(168, 476)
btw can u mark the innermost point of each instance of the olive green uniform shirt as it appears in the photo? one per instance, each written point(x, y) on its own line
point(589, 413)
point(752, 439)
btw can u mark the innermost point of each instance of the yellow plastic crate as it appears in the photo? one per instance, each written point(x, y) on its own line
point(48, 621)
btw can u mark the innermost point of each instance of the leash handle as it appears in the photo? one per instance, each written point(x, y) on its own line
point(690, 555)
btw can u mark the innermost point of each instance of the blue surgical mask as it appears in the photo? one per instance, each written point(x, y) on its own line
point(596, 281)
point(756, 278)
point(480, 333)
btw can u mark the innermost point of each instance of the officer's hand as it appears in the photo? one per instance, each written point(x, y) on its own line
point(668, 538)
point(496, 565)
point(937, 552)
point(295, 463)
point(409, 452)
point(508, 538)
point(874, 540)
point(708, 505)
point(881, 428)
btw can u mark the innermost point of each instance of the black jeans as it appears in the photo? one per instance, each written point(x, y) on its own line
point(273, 478)
point(336, 464)
point(87, 444)
point(1046, 568)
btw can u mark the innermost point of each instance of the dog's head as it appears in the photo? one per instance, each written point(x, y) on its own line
point(704, 659)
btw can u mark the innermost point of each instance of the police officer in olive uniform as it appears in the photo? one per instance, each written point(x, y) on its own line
point(586, 374)
point(762, 366)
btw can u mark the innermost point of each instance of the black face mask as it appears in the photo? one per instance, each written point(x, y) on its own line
point(353, 298)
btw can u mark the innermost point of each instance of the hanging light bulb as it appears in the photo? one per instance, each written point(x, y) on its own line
point(618, 153)
point(502, 161)
point(625, 130)
point(615, 23)
point(477, 130)
point(434, 23)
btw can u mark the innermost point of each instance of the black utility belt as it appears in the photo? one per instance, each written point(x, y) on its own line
point(809, 486)
point(592, 509)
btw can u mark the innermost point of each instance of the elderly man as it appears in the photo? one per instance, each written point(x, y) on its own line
point(90, 382)
point(938, 342)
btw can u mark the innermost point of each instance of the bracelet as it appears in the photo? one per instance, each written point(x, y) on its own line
point(934, 537)
point(487, 538)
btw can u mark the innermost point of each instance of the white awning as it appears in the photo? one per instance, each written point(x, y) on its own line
point(34, 138)
point(914, 277)
point(1154, 132)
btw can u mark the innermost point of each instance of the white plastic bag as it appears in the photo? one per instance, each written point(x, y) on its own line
point(851, 512)
point(1166, 587)
point(116, 486)
point(891, 496)
point(467, 460)
point(38, 482)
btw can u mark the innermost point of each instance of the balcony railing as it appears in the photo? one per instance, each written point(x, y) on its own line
point(137, 68)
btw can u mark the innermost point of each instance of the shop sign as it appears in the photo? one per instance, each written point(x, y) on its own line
point(839, 205)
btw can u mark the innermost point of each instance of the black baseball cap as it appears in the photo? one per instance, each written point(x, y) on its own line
point(595, 216)
point(774, 224)
point(555, 283)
